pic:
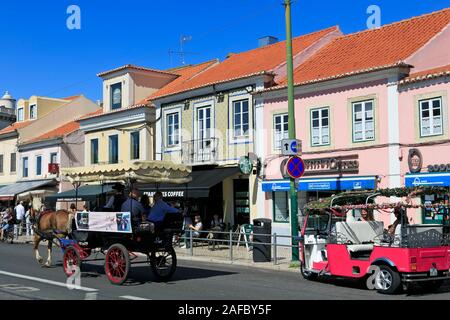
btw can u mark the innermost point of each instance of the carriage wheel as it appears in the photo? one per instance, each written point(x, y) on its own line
point(71, 260)
point(163, 263)
point(117, 264)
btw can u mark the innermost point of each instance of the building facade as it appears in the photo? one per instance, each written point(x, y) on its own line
point(359, 115)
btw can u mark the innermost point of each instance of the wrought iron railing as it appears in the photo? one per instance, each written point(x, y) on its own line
point(204, 151)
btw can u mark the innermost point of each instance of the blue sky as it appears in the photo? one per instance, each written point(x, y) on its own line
point(40, 55)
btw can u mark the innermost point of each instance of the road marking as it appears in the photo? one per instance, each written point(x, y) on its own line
point(133, 298)
point(54, 283)
point(18, 287)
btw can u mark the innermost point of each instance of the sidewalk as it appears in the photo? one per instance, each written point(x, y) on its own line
point(221, 255)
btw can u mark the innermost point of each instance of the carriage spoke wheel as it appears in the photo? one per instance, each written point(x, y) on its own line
point(117, 264)
point(163, 263)
point(71, 261)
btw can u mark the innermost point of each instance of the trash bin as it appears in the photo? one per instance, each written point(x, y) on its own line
point(262, 237)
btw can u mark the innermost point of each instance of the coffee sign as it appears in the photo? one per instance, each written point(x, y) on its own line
point(348, 164)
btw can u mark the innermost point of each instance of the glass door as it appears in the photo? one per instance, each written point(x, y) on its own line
point(241, 202)
point(204, 133)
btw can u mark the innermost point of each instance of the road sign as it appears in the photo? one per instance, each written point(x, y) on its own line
point(296, 167)
point(291, 147)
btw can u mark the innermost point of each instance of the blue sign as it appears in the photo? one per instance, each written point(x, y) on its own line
point(428, 180)
point(296, 167)
point(328, 184)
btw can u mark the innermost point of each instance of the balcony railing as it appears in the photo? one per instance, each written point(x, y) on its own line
point(196, 152)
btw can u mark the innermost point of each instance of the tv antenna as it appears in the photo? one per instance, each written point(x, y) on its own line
point(182, 54)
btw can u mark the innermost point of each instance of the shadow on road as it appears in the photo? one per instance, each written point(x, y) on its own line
point(414, 290)
point(142, 274)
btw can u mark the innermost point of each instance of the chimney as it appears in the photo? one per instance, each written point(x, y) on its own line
point(265, 41)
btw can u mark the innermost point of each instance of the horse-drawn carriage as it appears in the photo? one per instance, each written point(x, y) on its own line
point(115, 234)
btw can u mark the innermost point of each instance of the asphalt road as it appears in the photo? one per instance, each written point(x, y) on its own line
point(22, 278)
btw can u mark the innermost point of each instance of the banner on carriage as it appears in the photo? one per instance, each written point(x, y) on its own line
point(119, 222)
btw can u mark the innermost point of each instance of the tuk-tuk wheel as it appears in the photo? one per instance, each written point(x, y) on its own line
point(387, 281)
point(308, 275)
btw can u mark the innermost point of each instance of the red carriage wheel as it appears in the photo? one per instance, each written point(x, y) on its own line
point(71, 260)
point(117, 264)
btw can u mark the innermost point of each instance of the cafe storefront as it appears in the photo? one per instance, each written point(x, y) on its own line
point(211, 191)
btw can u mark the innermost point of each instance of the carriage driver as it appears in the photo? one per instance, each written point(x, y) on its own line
point(133, 206)
point(159, 210)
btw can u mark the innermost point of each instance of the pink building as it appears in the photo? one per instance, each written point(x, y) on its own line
point(363, 102)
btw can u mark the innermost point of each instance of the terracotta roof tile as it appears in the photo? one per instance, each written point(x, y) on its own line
point(245, 64)
point(372, 49)
point(15, 126)
point(185, 74)
point(56, 133)
point(72, 98)
point(427, 74)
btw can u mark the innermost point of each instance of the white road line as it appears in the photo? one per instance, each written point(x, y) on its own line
point(54, 283)
point(132, 298)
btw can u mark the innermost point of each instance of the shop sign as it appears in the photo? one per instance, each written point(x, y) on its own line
point(415, 161)
point(245, 165)
point(439, 168)
point(348, 164)
point(167, 194)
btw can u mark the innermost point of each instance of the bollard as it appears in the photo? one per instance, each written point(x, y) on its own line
point(191, 244)
point(231, 245)
point(274, 249)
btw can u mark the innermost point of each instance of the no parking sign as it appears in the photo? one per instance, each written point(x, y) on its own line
point(295, 167)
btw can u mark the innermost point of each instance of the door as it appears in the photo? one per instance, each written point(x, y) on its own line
point(241, 202)
point(204, 141)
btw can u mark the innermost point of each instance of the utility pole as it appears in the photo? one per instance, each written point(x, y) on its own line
point(292, 133)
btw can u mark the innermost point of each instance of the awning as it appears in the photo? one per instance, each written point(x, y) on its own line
point(41, 193)
point(322, 184)
point(199, 187)
point(10, 191)
point(85, 193)
point(141, 171)
point(426, 180)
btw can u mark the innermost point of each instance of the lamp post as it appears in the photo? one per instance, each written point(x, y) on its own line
point(292, 134)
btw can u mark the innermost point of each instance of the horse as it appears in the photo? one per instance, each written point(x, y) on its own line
point(49, 225)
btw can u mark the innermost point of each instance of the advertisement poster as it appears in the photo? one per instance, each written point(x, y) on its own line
point(104, 221)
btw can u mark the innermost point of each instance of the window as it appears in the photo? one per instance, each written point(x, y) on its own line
point(280, 207)
point(38, 165)
point(204, 127)
point(173, 129)
point(363, 121)
point(94, 151)
point(320, 127)
point(13, 163)
point(114, 149)
point(430, 117)
point(116, 96)
point(53, 158)
point(1, 164)
point(33, 111)
point(20, 114)
point(25, 167)
point(281, 129)
point(135, 142)
point(240, 118)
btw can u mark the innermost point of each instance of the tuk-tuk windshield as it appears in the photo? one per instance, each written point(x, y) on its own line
point(317, 222)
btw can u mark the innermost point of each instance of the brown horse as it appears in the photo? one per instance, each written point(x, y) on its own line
point(49, 225)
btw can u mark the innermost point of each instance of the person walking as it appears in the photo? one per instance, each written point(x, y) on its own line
point(29, 225)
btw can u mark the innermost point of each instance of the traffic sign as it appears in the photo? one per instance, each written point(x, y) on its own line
point(291, 147)
point(295, 167)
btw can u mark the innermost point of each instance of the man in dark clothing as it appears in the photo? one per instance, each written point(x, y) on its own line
point(133, 206)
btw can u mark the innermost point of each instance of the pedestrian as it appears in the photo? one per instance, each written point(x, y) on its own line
point(29, 225)
point(20, 216)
